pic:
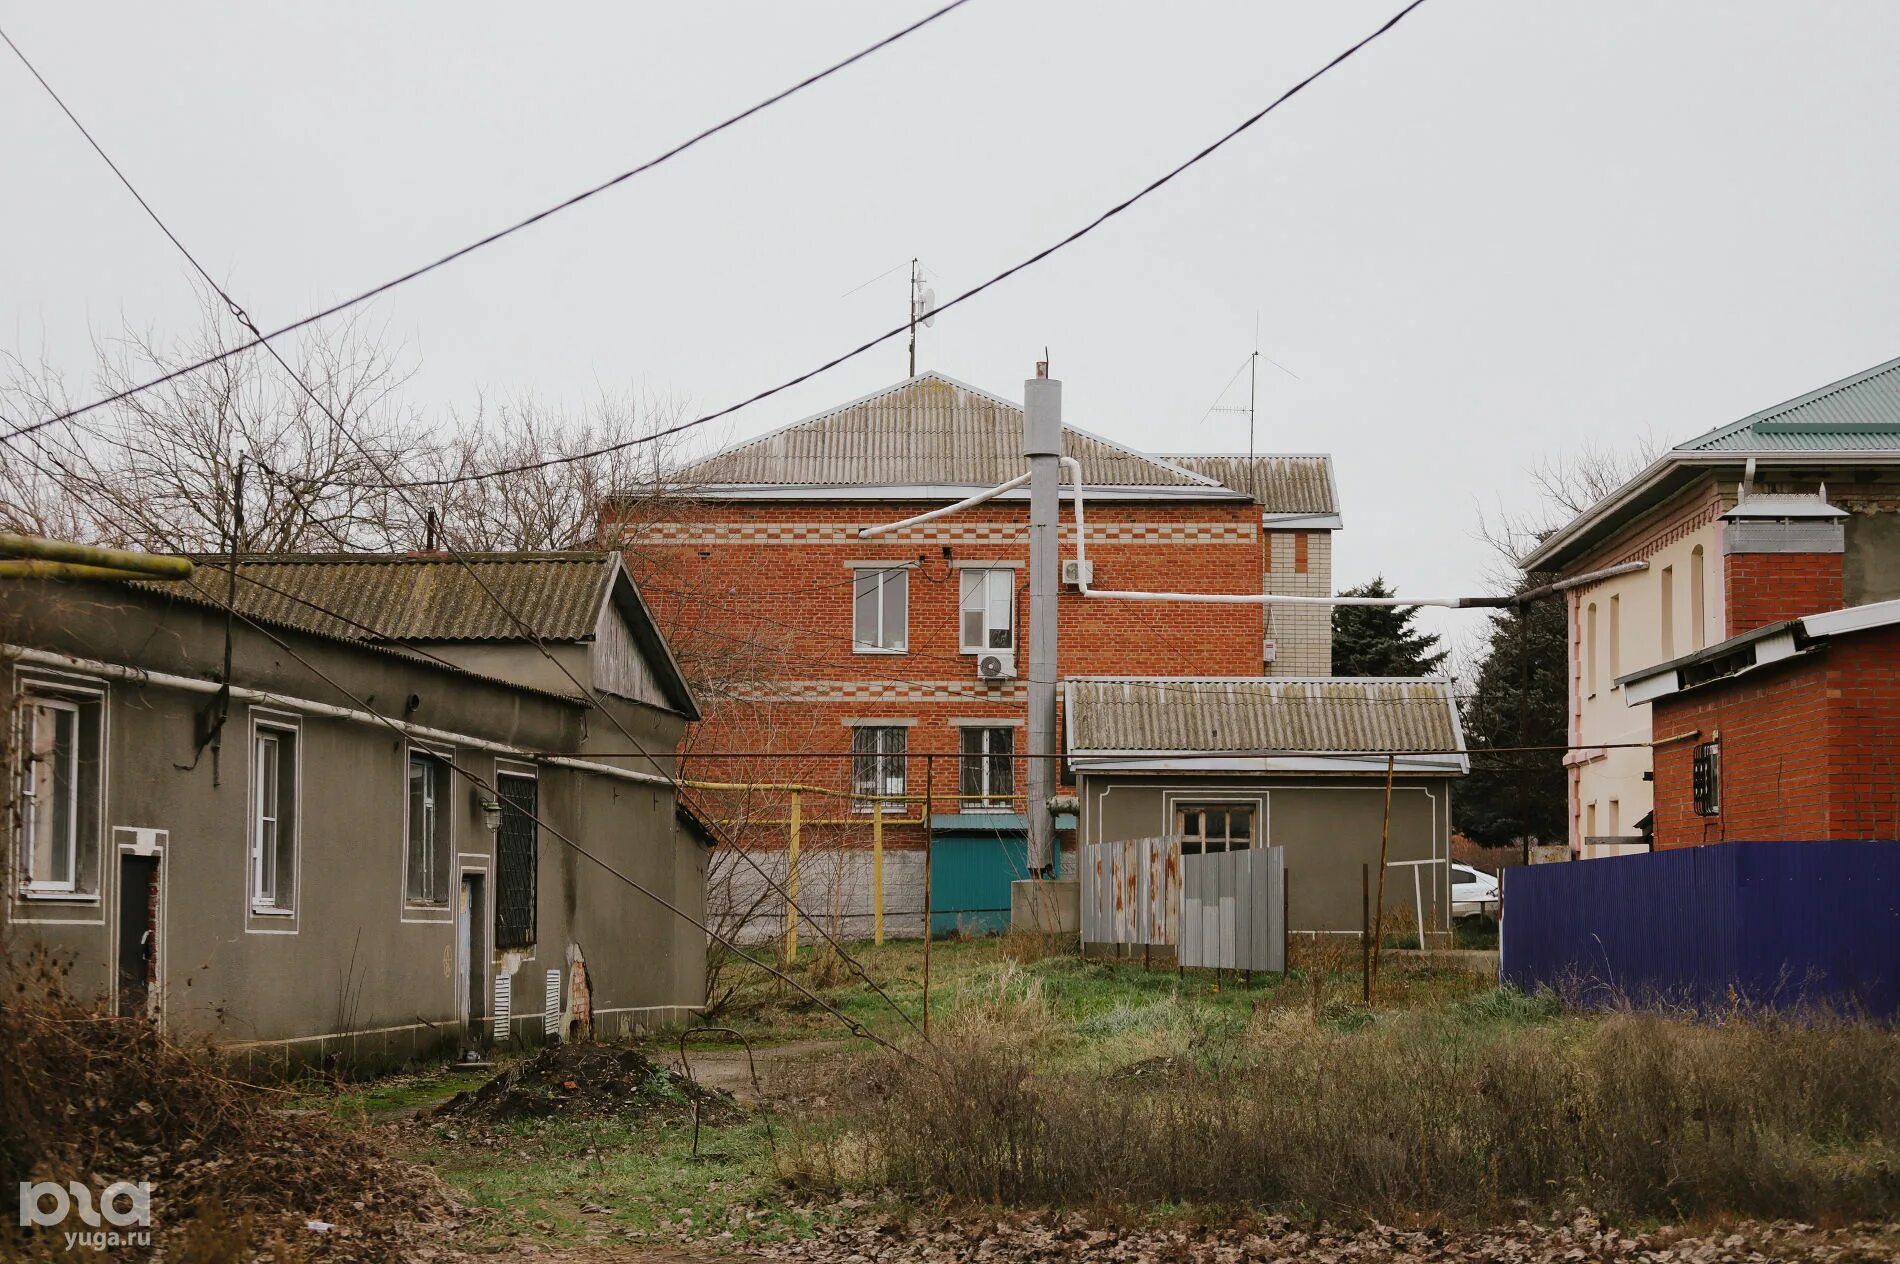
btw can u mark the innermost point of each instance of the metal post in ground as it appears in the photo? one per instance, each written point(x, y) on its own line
point(1042, 445)
point(1365, 933)
point(929, 767)
point(791, 887)
point(877, 873)
point(1378, 910)
point(1286, 905)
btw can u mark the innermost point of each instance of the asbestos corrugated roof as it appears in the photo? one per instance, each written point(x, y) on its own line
point(384, 598)
point(1279, 483)
point(1856, 414)
point(1166, 714)
point(927, 431)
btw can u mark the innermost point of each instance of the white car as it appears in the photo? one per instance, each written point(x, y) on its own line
point(1474, 893)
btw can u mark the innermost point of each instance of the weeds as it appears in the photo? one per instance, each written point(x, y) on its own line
point(1492, 1107)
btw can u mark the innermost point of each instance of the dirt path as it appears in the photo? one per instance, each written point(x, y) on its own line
point(728, 1069)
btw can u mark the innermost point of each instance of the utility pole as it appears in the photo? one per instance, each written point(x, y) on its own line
point(1042, 445)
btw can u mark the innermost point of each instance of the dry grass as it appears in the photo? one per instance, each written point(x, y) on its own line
point(1480, 1110)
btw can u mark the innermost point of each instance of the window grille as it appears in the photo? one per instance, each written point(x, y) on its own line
point(1705, 776)
point(516, 863)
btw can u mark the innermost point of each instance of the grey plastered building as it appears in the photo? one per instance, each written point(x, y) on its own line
point(1236, 762)
point(322, 883)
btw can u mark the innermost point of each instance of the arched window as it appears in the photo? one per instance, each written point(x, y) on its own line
point(1666, 595)
point(1590, 649)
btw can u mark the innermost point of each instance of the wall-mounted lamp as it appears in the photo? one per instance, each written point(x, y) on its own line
point(490, 808)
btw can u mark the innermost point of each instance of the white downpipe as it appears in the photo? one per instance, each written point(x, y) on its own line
point(191, 684)
point(867, 533)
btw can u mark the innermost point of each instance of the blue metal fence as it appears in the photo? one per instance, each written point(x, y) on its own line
point(1771, 923)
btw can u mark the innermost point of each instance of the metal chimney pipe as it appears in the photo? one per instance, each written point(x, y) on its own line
point(1042, 445)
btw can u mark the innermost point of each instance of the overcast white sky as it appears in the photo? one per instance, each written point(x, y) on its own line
point(1503, 229)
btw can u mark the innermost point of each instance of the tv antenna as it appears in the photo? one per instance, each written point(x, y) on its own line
point(923, 301)
point(1252, 367)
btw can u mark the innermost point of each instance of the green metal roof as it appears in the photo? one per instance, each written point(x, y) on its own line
point(1860, 413)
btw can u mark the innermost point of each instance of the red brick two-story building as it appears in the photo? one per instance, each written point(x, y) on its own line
point(894, 666)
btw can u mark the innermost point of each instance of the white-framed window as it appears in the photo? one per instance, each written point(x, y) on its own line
point(1207, 828)
point(274, 806)
point(987, 612)
point(988, 777)
point(877, 766)
point(427, 866)
point(61, 737)
point(880, 610)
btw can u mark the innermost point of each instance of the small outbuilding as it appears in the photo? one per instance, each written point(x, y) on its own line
point(1229, 763)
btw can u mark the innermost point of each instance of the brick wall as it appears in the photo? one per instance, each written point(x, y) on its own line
point(756, 600)
point(1765, 588)
point(1807, 748)
point(1300, 563)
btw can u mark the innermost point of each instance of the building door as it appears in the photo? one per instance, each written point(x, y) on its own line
point(138, 936)
point(469, 990)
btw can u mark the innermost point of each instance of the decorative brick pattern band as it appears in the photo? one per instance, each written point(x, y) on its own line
point(711, 534)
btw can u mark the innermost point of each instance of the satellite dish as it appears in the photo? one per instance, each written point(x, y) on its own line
point(926, 300)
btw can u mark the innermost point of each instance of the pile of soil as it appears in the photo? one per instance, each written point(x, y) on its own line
point(90, 1097)
point(580, 1081)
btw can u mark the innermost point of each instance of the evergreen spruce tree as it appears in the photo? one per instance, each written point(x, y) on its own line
point(1519, 699)
point(1381, 640)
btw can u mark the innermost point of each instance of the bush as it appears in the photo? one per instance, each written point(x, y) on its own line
point(1453, 1114)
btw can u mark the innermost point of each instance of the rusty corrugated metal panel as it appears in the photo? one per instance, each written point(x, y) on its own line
point(1279, 483)
point(1219, 910)
point(927, 431)
point(1190, 714)
point(557, 595)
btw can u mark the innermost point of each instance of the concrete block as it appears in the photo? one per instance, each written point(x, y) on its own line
point(1046, 906)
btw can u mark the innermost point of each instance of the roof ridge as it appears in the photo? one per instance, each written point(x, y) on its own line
point(835, 409)
point(1189, 478)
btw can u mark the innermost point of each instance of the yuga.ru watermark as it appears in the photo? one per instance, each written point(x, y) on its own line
point(126, 1206)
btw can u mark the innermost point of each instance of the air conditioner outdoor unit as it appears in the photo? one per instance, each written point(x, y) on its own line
point(996, 665)
point(1076, 573)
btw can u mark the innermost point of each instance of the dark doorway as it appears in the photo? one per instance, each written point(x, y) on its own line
point(470, 955)
point(138, 935)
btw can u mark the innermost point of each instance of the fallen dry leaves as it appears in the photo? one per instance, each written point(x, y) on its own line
point(1048, 1239)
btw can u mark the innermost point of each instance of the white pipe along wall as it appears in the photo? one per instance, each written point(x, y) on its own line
point(1242, 599)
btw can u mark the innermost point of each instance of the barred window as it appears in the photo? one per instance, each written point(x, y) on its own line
point(1705, 777)
point(988, 772)
point(877, 767)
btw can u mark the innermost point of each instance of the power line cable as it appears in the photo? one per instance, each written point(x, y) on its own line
point(852, 1025)
point(529, 633)
point(490, 239)
point(835, 361)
